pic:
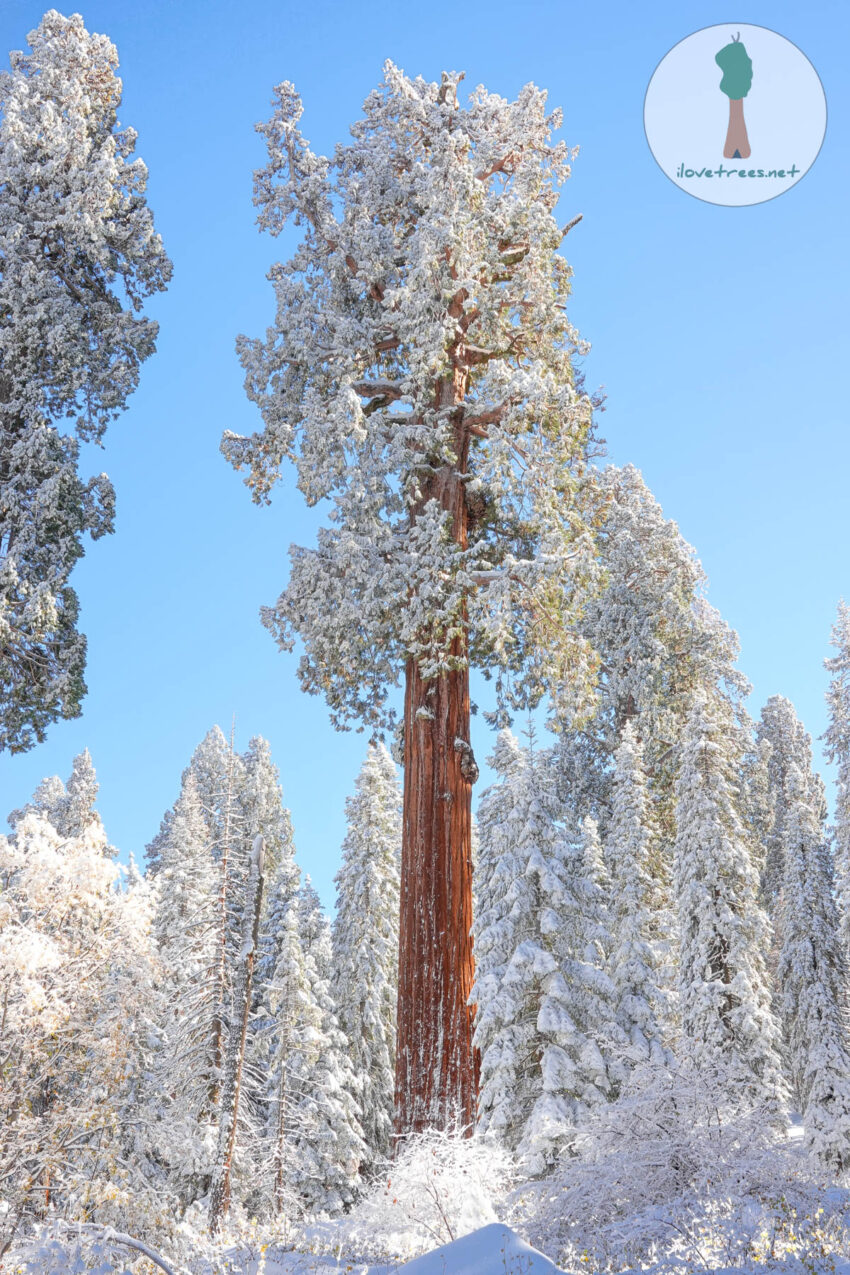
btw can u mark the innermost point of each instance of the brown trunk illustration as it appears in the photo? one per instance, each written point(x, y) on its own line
point(436, 1078)
point(737, 143)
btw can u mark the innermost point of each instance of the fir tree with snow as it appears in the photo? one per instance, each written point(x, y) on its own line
point(788, 747)
point(812, 977)
point(185, 931)
point(327, 1140)
point(837, 748)
point(76, 810)
point(365, 942)
point(723, 932)
point(657, 638)
point(78, 257)
point(544, 1012)
point(635, 962)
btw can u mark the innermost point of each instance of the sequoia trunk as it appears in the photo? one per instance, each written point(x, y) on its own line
point(436, 1078)
point(436, 1066)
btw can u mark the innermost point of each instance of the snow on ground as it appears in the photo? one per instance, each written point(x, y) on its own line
point(492, 1250)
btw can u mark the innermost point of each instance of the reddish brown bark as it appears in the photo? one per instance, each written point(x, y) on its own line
point(436, 1067)
point(436, 1079)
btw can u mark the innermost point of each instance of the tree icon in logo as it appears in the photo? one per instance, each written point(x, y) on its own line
point(737, 68)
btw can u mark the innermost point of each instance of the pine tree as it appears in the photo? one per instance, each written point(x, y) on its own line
point(789, 747)
point(658, 640)
point(723, 932)
point(544, 1015)
point(76, 811)
point(234, 1061)
point(185, 931)
point(837, 748)
point(78, 257)
point(635, 963)
point(420, 346)
point(365, 943)
point(327, 1138)
point(812, 977)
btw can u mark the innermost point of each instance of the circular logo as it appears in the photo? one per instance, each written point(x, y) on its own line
point(735, 114)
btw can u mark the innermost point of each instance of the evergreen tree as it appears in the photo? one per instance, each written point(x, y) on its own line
point(74, 985)
point(365, 942)
point(789, 747)
point(635, 963)
point(544, 1018)
point(723, 932)
point(185, 931)
point(813, 980)
point(837, 748)
point(327, 1138)
point(76, 811)
point(420, 346)
point(657, 639)
point(285, 998)
point(78, 257)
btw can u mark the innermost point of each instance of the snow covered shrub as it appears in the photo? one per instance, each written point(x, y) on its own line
point(440, 1186)
point(679, 1175)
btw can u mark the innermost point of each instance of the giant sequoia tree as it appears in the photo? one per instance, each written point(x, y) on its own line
point(419, 375)
point(78, 256)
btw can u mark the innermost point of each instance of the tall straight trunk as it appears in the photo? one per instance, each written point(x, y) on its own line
point(436, 1078)
point(235, 1060)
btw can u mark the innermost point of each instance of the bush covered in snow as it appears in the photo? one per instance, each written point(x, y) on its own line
point(440, 1186)
point(678, 1176)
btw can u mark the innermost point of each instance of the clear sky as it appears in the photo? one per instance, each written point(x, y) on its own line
point(719, 335)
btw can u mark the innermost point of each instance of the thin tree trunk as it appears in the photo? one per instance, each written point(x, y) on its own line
point(232, 1083)
point(436, 1077)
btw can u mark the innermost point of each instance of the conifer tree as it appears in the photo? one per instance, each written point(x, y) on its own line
point(544, 1018)
point(789, 747)
point(285, 1001)
point(657, 638)
point(76, 810)
point(327, 1139)
point(185, 931)
point(73, 986)
point(365, 942)
point(78, 257)
point(635, 963)
point(420, 352)
point(723, 932)
point(812, 976)
point(837, 748)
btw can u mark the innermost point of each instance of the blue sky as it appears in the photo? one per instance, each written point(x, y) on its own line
point(719, 335)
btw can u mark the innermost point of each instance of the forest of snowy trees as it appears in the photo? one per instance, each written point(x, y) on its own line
point(606, 1000)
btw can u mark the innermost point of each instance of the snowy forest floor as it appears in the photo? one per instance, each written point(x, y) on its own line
point(734, 1200)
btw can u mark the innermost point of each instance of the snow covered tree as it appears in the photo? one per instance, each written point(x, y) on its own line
point(234, 1062)
point(76, 810)
point(78, 257)
point(73, 985)
point(544, 1017)
point(281, 995)
point(419, 375)
point(657, 639)
point(365, 943)
point(327, 1141)
point(635, 962)
point(789, 748)
point(723, 932)
point(812, 977)
point(185, 932)
point(837, 748)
